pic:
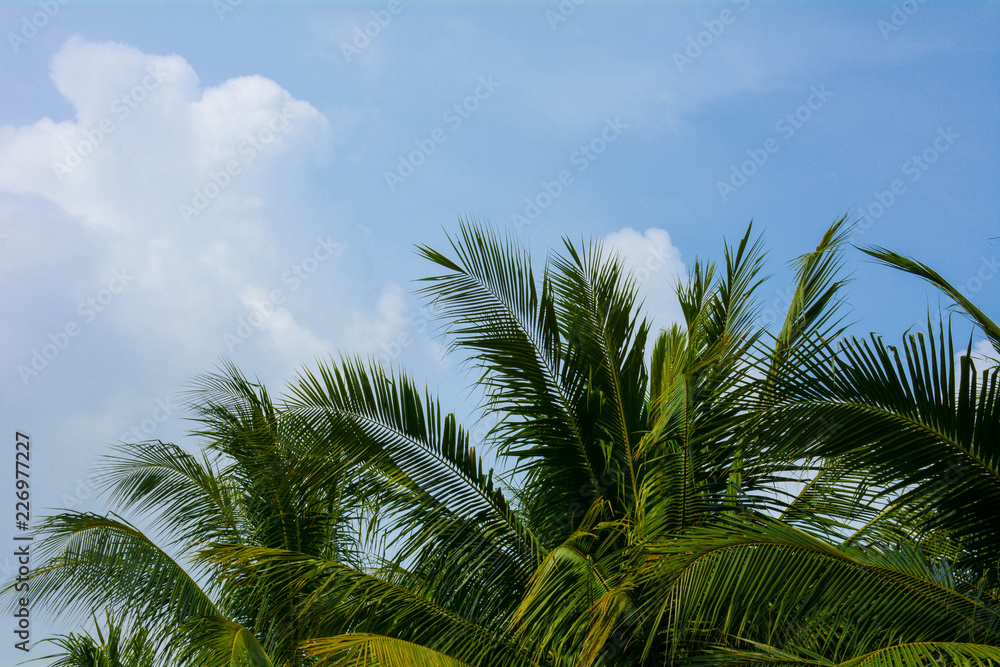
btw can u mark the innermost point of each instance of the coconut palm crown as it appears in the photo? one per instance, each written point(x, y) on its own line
point(717, 493)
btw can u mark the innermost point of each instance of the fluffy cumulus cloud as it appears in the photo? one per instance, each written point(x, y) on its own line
point(146, 140)
point(166, 182)
point(656, 265)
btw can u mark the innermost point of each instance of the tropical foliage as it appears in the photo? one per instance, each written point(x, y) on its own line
point(114, 646)
point(717, 493)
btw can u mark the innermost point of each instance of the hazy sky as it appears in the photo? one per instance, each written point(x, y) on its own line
point(181, 183)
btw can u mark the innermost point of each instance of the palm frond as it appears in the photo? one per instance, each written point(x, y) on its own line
point(770, 583)
point(371, 650)
point(507, 319)
point(924, 428)
point(93, 562)
point(912, 266)
point(335, 599)
point(183, 496)
point(458, 516)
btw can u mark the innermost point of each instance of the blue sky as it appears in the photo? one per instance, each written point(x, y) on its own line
point(185, 182)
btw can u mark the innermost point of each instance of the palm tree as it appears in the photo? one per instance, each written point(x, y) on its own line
point(249, 486)
point(744, 497)
point(120, 648)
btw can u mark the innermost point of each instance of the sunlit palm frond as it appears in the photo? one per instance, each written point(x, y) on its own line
point(371, 650)
point(505, 316)
point(924, 428)
point(922, 654)
point(457, 517)
point(115, 645)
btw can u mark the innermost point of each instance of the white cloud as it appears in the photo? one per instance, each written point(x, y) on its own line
point(191, 285)
point(170, 181)
point(656, 265)
point(293, 341)
point(372, 334)
point(145, 136)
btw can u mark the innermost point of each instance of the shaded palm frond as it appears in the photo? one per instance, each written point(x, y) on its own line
point(912, 266)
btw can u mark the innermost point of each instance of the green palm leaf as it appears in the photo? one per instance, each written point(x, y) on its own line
point(460, 519)
point(912, 266)
point(365, 649)
point(341, 600)
point(507, 319)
